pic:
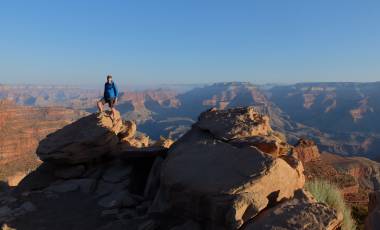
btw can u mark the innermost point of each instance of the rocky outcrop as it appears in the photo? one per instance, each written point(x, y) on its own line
point(301, 212)
point(306, 150)
point(243, 127)
point(208, 179)
point(232, 124)
point(88, 138)
point(356, 177)
point(212, 178)
point(164, 142)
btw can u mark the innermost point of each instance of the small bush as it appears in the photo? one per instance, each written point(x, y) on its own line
point(329, 194)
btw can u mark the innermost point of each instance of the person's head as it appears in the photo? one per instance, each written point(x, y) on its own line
point(109, 78)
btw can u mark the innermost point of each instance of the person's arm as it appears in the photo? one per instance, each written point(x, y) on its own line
point(116, 91)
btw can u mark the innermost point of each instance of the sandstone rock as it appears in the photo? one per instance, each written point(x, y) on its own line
point(143, 207)
point(163, 142)
point(110, 212)
point(129, 130)
point(127, 213)
point(372, 222)
point(188, 225)
point(84, 185)
point(299, 213)
point(28, 206)
point(147, 225)
point(117, 173)
point(16, 179)
point(140, 141)
point(5, 211)
point(306, 150)
point(86, 139)
point(126, 152)
point(6, 227)
point(38, 179)
point(7, 199)
point(153, 182)
point(213, 181)
point(105, 188)
point(234, 123)
point(63, 187)
point(268, 144)
point(117, 200)
point(70, 172)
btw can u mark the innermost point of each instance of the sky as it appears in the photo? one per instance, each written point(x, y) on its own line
point(185, 42)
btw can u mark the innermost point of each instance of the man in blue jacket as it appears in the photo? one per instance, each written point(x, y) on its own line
point(110, 96)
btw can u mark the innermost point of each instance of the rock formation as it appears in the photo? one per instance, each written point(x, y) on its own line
point(82, 141)
point(301, 212)
point(355, 176)
point(306, 151)
point(207, 178)
point(215, 177)
point(292, 109)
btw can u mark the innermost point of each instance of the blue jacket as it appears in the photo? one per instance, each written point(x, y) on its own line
point(110, 90)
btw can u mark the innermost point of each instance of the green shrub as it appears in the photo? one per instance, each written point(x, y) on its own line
point(329, 194)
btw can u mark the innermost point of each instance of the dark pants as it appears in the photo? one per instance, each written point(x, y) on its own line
point(109, 101)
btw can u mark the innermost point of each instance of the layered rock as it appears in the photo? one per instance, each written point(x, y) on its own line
point(211, 180)
point(234, 123)
point(356, 177)
point(306, 150)
point(21, 129)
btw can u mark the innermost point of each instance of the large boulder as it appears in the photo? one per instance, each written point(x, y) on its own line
point(86, 139)
point(300, 213)
point(206, 178)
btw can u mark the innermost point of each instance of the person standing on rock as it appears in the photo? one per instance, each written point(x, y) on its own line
point(110, 96)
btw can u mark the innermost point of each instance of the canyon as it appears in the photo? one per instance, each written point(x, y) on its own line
point(21, 130)
point(332, 126)
point(340, 117)
point(219, 175)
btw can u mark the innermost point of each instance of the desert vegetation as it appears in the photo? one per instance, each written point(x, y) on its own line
point(329, 193)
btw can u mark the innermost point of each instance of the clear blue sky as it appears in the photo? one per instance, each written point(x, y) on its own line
point(180, 41)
